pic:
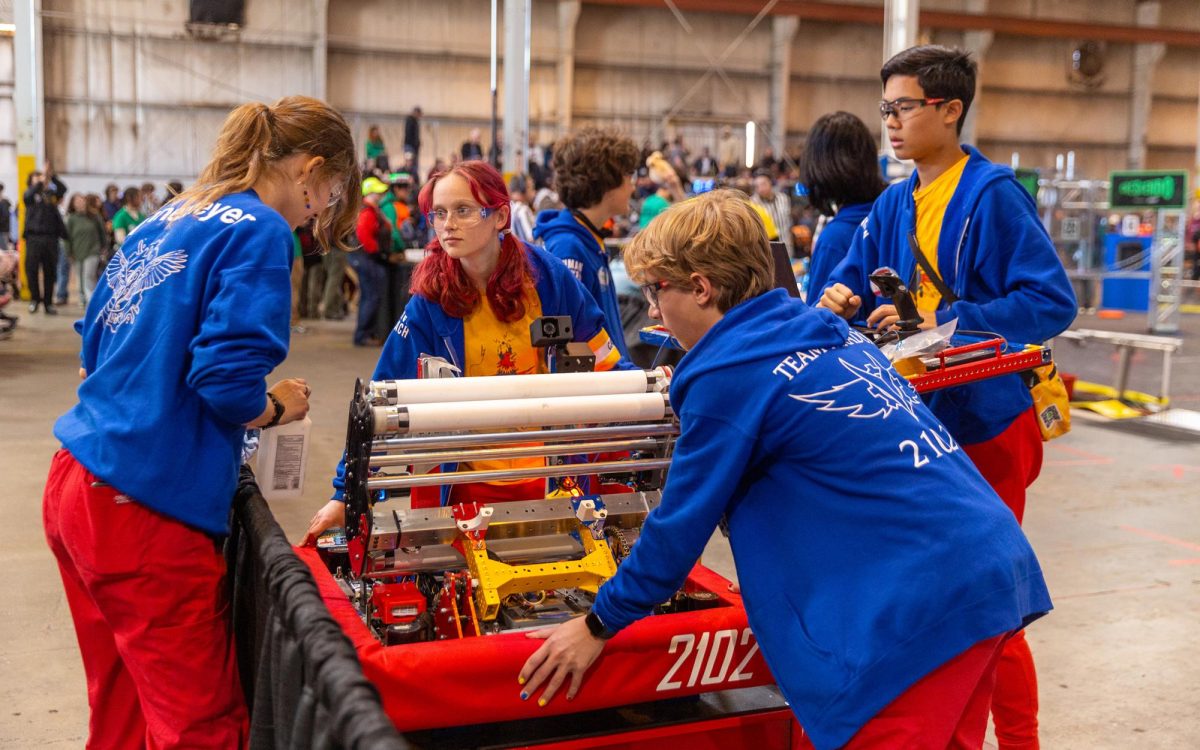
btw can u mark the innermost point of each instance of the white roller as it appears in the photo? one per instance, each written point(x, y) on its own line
point(517, 413)
point(447, 390)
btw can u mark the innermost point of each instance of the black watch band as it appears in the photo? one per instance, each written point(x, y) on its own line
point(278, 411)
point(596, 626)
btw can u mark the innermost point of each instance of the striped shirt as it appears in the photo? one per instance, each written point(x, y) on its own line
point(522, 222)
point(780, 209)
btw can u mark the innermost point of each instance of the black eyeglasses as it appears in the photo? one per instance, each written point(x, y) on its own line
point(652, 289)
point(905, 107)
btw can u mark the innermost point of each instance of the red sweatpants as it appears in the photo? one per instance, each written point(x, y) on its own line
point(1010, 462)
point(147, 595)
point(945, 710)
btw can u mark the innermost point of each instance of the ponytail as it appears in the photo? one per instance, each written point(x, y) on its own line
point(255, 136)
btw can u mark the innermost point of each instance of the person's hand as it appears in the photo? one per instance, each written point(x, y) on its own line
point(841, 300)
point(885, 316)
point(330, 515)
point(569, 651)
point(293, 393)
point(82, 374)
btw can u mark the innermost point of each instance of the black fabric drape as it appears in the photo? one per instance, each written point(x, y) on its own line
point(301, 676)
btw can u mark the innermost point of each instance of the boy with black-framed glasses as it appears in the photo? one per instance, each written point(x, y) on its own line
point(968, 236)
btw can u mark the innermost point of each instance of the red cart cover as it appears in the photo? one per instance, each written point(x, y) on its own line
point(474, 680)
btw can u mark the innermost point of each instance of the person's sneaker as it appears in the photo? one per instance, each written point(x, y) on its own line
point(33, 306)
point(51, 310)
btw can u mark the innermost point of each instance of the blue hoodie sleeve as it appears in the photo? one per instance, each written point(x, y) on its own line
point(832, 246)
point(90, 345)
point(411, 337)
point(706, 469)
point(854, 269)
point(1030, 298)
point(243, 336)
point(588, 321)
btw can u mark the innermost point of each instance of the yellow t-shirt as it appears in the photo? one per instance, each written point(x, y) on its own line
point(932, 200)
point(493, 347)
point(768, 223)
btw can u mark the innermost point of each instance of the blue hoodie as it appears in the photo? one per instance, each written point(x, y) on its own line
point(425, 328)
point(856, 583)
point(574, 244)
point(832, 245)
point(995, 255)
point(186, 323)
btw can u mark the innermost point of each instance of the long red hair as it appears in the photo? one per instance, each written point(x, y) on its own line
point(441, 279)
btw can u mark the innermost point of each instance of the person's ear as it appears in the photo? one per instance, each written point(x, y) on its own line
point(951, 111)
point(702, 290)
point(502, 215)
point(310, 168)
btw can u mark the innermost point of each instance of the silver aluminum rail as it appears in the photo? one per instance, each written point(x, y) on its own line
point(561, 470)
point(472, 439)
point(524, 451)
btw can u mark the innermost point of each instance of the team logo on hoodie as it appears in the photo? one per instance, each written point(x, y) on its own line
point(876, 390)
point(132, 274)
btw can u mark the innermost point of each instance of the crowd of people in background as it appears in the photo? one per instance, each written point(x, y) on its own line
point(392, 232)
point(70, 237)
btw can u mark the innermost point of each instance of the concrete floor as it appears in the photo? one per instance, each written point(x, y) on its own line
point(1114, 520)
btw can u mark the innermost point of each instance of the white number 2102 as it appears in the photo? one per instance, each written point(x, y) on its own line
point(722, 645)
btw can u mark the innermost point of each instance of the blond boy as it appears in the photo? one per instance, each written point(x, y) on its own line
point(880, 573)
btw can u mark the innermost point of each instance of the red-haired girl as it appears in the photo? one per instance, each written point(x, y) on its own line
point(473, 299)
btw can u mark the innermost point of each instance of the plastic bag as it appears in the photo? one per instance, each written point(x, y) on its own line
point(923, 344)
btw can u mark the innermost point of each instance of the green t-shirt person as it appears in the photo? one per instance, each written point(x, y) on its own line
point(124, 221)
point(654, 205)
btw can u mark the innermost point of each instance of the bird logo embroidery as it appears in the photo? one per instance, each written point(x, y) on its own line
point(133, 274)
point(876, 390)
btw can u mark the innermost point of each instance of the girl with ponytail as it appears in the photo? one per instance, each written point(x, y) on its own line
point(474, 297)
point(185, 324)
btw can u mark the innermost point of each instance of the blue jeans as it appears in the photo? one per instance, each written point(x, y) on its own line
point(64, 275)
point(88, 270)
point(371, 278)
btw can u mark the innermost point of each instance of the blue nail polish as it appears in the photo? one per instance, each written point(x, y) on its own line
point(524, 696)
